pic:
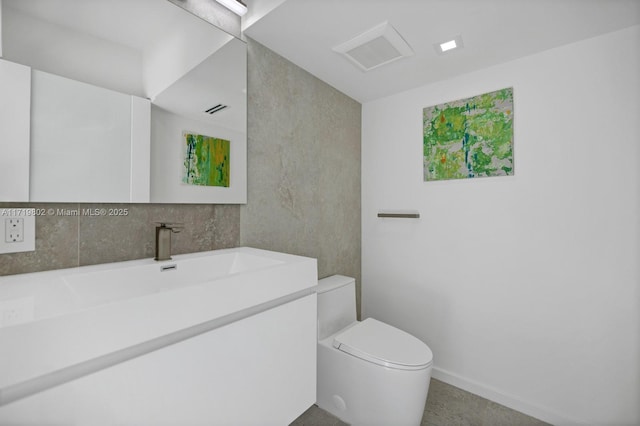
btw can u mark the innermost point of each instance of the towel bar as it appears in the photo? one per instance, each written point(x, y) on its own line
point(400, 215)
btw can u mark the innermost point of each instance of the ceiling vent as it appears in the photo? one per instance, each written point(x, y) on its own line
point(378, 46)
point(215, 109)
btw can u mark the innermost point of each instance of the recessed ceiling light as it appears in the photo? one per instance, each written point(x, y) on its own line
point(449, 45)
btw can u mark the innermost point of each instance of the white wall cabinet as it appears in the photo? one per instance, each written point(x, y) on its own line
point(88, 143)
point(15, 95)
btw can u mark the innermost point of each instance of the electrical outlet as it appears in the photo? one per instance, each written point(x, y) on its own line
point(14, 230)
point(18, 229)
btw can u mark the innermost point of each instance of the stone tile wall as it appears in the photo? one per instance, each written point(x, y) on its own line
point(304, 166)
point(65, 238)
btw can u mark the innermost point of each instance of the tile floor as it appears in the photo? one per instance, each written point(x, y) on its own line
point(446, 406)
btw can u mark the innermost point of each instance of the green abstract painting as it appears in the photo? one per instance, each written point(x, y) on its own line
point(469, 138)
point(206, 160)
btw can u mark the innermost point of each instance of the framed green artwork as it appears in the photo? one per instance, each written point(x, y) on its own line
point(206, 160)
point(469, 138)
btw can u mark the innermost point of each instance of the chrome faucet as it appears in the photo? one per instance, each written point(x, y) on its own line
point(163, 239)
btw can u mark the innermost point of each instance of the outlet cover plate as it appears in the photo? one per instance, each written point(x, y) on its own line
point(28, 223)
point(14, 230)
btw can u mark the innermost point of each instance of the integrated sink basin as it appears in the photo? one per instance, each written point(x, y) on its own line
point(130, 279)
point(58, 326)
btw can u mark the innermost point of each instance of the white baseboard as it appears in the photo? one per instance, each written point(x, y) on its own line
point(503, 399)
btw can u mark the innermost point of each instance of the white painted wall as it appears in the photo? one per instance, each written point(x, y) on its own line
point(526, 288)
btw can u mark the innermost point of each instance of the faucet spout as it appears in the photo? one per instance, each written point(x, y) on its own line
point(163, 239)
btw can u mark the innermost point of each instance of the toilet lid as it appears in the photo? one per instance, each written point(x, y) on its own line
point(382, 344)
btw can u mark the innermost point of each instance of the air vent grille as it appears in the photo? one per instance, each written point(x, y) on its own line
point(215, 109)
point(374, 53)
point(375, 47)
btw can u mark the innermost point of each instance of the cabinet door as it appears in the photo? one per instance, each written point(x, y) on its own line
point(260, 370)
point(15, 89)
point(81, 142)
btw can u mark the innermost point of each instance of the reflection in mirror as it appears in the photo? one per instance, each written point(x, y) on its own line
point(81, 141)
point(201, 105)
point(148, 50)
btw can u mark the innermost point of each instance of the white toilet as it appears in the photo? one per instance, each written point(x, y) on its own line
point(369, 373)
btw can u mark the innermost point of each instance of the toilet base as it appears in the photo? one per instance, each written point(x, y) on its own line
point(362, 393)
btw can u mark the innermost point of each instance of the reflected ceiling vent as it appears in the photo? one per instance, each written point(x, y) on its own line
point(378, 46)
point(215, 109)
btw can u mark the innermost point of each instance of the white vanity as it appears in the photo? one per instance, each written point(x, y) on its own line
point(220, 337)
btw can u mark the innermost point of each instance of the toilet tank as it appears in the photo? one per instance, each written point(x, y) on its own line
point(336, 304)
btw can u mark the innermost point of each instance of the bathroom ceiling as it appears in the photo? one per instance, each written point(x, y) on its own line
point(115, 20)
point(493, 32)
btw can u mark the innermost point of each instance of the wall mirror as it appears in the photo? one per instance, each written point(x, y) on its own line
point(119, 101)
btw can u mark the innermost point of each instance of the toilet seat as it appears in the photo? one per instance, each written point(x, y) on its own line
point(382, 344)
